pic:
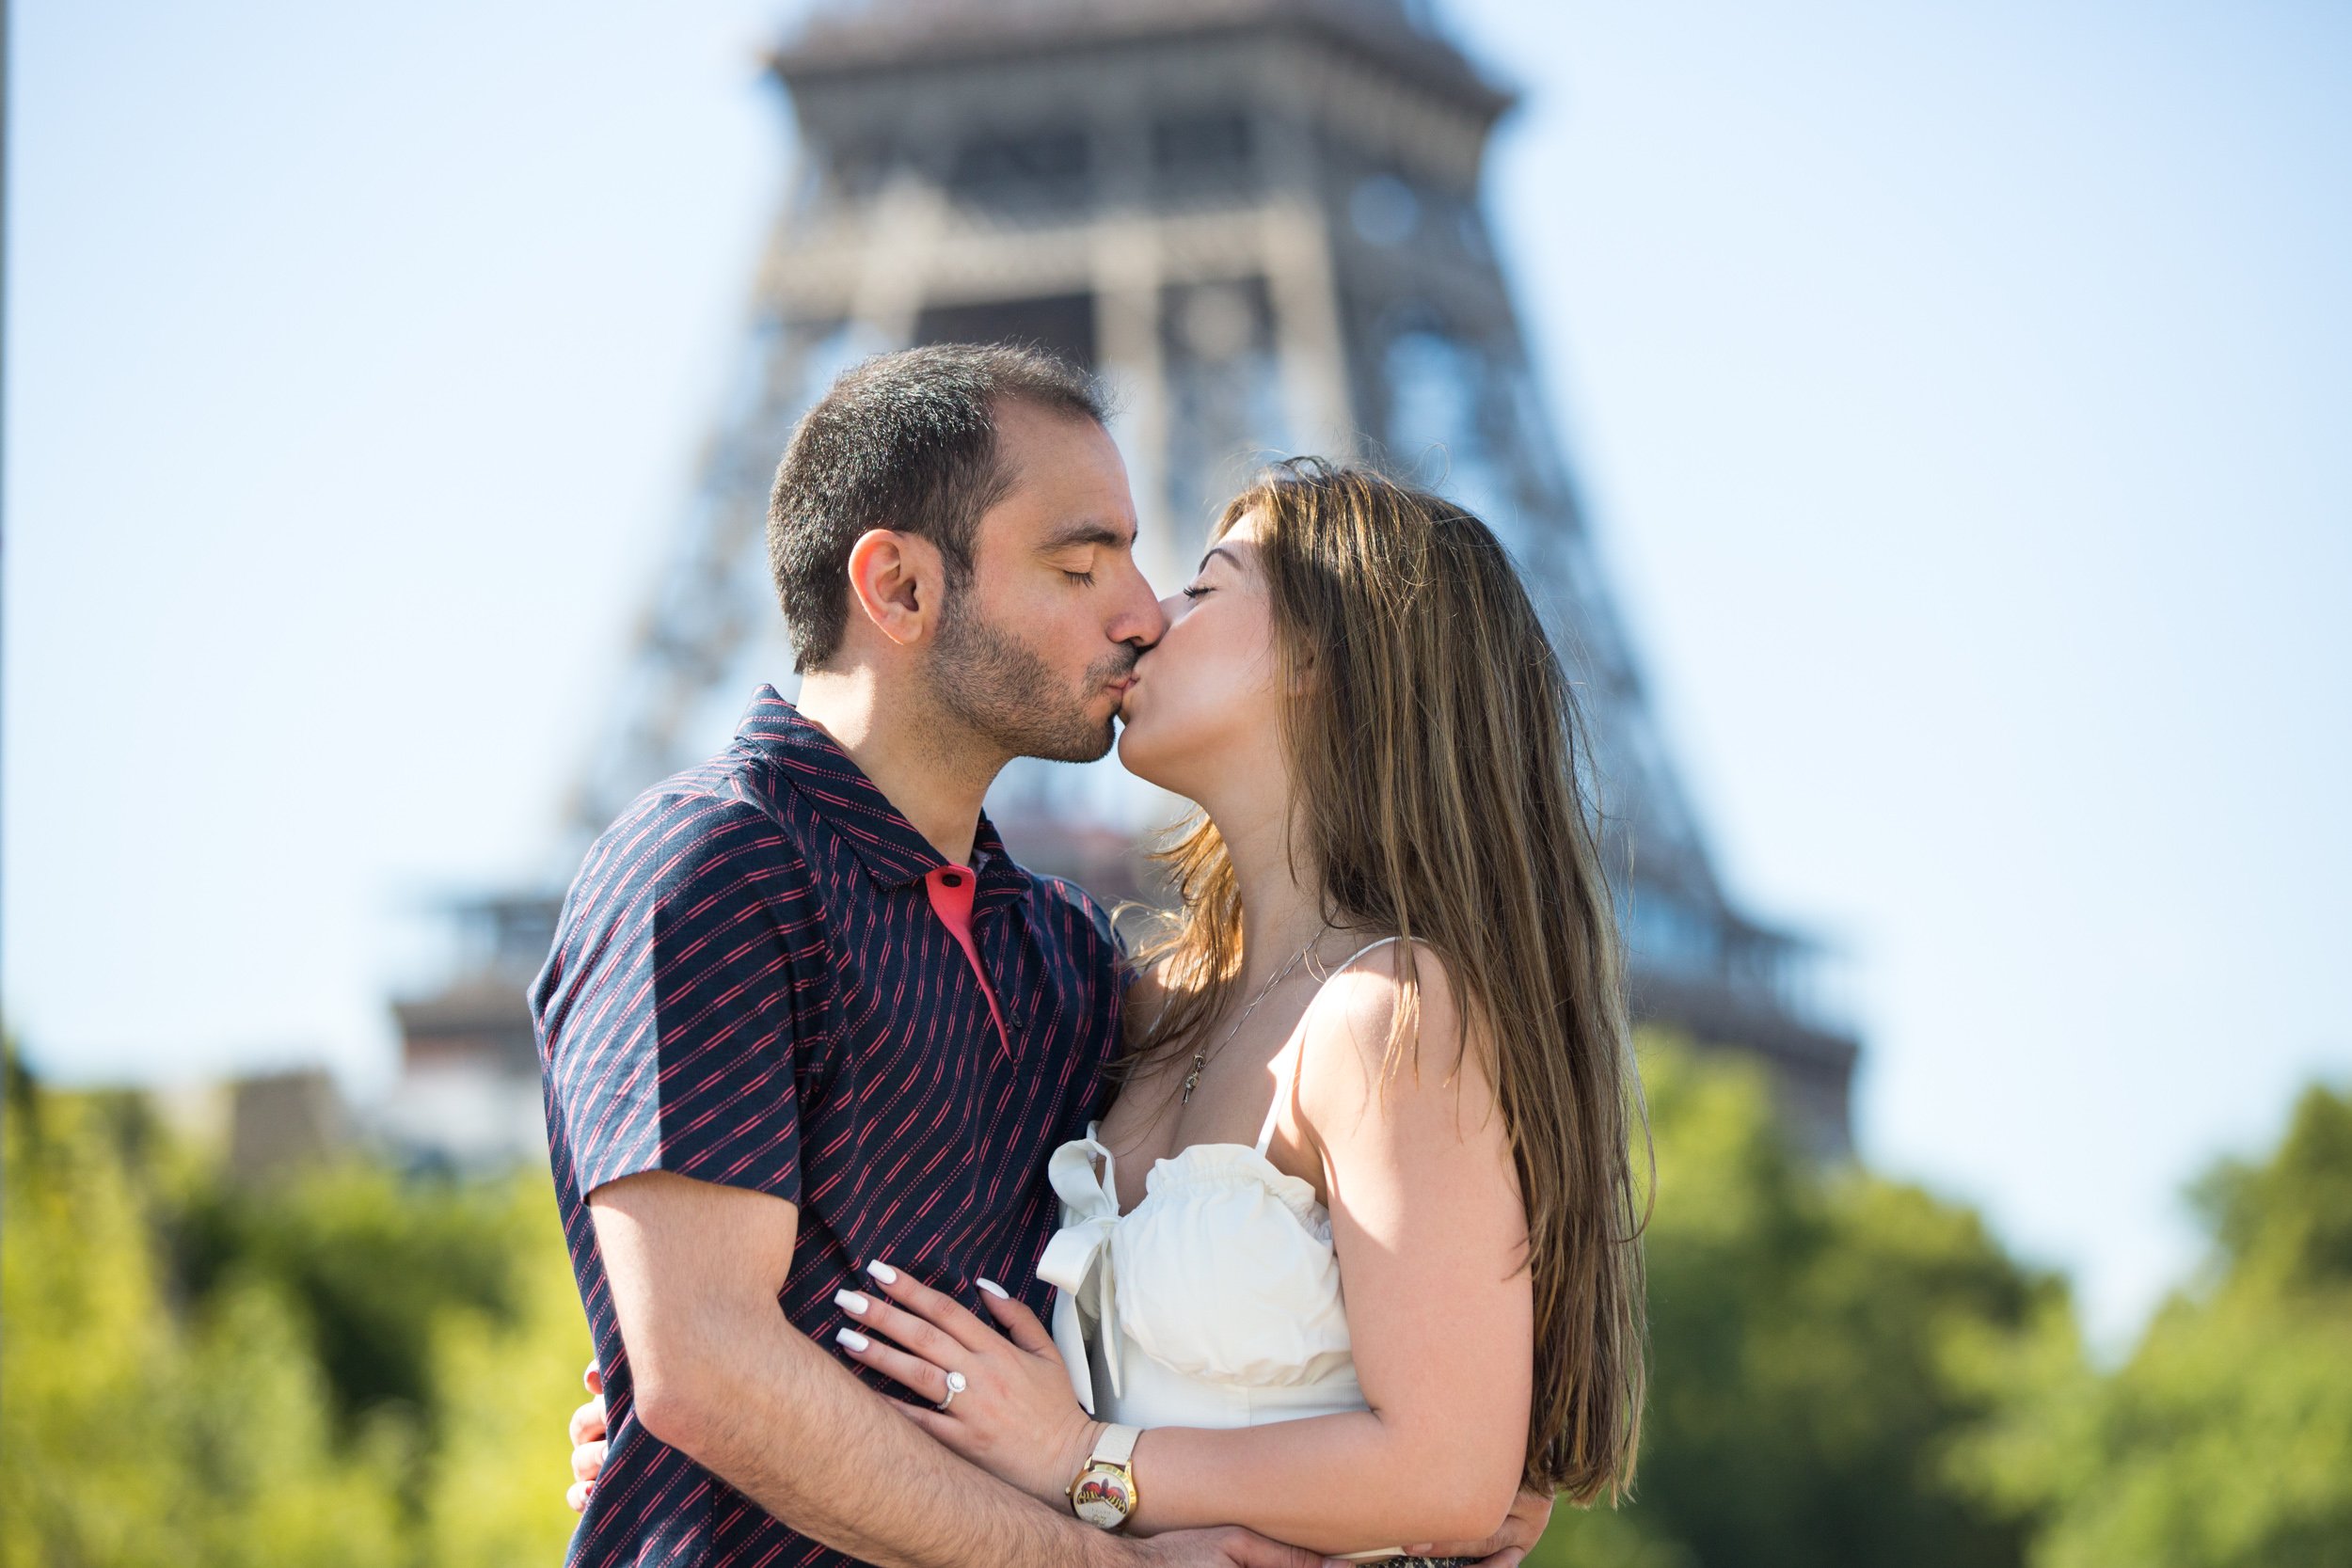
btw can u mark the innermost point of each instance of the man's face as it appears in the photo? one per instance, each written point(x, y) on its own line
point(1036, 652)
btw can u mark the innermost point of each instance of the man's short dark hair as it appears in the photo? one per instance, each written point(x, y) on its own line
point(904, 442)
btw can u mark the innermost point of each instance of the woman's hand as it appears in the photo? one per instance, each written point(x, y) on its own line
point(1015, 1416)
point(587, 1440)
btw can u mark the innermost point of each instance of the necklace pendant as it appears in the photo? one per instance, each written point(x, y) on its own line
point(1200, 1056)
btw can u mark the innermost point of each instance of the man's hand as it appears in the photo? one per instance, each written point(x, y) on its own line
point(587, 1441)
point(1506, 1547)
point(1226, 1546)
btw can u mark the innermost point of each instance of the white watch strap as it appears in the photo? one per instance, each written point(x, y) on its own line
point(1117, 1446)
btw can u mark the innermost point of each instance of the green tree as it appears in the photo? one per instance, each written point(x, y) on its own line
point(348, 1369)
point(1801, 1405)
point(372, 1262)
point(504, 1384)
point(2226, 1440)
point(133, 1433)
point(361, 1371)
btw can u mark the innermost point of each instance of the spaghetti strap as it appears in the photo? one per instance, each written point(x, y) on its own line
point(1282, 1084)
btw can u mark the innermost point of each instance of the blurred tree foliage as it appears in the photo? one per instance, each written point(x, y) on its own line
point(363, 1369)
point(1800, 1408)
point(2226, 1440)
point(1847, 1371)
point(340, 1372)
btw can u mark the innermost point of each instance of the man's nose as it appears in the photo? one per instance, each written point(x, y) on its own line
point(1142, 618)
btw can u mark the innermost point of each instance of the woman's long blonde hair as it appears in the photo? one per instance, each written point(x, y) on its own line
point(1436, 756)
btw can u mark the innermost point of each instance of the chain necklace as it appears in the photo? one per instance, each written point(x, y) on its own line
point(1200, 1056)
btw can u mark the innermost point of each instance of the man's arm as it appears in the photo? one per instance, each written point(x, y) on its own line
point(721, 1375)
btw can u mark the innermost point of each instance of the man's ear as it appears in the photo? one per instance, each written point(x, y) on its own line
point(899, 579)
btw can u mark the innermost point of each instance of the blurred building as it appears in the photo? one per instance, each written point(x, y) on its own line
point(469, 1096)
point(1260, 221)
point(264, 1125)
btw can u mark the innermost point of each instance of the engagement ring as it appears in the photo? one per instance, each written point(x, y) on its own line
point(955, 1387)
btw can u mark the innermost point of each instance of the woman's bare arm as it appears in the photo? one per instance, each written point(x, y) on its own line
point(1431, 1234)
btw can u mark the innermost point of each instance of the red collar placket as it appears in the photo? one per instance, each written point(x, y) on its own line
point(951, 889)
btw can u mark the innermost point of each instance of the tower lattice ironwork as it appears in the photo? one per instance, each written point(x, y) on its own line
point(1260, 222)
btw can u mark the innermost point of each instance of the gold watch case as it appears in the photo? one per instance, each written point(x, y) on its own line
point(1103, 1494)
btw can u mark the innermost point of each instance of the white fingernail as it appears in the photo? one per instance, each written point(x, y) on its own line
point(993, 1289)
point(852, 1338)
point(882, 1271)
point(850, 1301)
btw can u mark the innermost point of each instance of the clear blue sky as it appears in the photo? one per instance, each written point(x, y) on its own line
point(1963, 390)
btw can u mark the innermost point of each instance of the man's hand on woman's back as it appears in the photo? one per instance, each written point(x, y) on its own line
point(587, 1440)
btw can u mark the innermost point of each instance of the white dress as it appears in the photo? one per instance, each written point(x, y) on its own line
point(1213, 1302)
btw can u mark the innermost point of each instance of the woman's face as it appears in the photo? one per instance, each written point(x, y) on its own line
point(1204, 710)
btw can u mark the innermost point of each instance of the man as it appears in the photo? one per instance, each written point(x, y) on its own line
point(804, 1013)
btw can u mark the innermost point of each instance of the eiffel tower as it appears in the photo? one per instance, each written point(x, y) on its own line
point(1260, 222)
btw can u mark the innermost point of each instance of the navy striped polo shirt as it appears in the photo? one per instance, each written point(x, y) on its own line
point(763, 977)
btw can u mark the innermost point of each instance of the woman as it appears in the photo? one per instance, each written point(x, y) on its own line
point(1382, 1042)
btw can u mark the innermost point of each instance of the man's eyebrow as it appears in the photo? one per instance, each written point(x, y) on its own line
point(1090, 532)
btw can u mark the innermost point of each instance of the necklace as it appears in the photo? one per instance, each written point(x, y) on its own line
point(1200, 1056)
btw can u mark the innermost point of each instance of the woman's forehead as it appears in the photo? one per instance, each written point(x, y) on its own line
point(1247, 528)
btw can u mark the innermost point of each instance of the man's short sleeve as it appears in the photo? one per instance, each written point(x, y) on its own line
point(668, 1013)
point(1109, 938)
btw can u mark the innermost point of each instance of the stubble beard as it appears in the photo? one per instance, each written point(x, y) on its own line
point(1009, 697)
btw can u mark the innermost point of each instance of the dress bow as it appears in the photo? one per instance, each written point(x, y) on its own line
point(1077, 1259)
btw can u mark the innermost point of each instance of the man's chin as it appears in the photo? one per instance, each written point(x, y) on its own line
point(1084, 742)
point(1104, 740)
point(1104, 735)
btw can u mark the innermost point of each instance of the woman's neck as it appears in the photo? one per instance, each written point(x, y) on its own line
point(1281, 893)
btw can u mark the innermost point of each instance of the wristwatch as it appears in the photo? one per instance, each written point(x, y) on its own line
point(1104, 1493)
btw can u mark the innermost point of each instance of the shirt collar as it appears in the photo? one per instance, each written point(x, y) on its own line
point(892, 851)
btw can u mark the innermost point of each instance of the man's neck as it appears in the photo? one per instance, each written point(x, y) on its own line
point(913, 755)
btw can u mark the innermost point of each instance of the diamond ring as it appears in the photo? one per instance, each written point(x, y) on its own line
point(955, 1385)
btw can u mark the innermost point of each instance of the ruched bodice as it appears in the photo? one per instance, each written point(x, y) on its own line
point(1214, 1302)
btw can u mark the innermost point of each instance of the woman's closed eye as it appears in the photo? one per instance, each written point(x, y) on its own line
point(1196, 590)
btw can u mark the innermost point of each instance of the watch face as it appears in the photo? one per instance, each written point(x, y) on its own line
point(1101, 1497)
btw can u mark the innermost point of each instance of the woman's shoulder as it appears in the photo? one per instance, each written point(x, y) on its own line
point(1363, 1013)
point(1370, 987)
